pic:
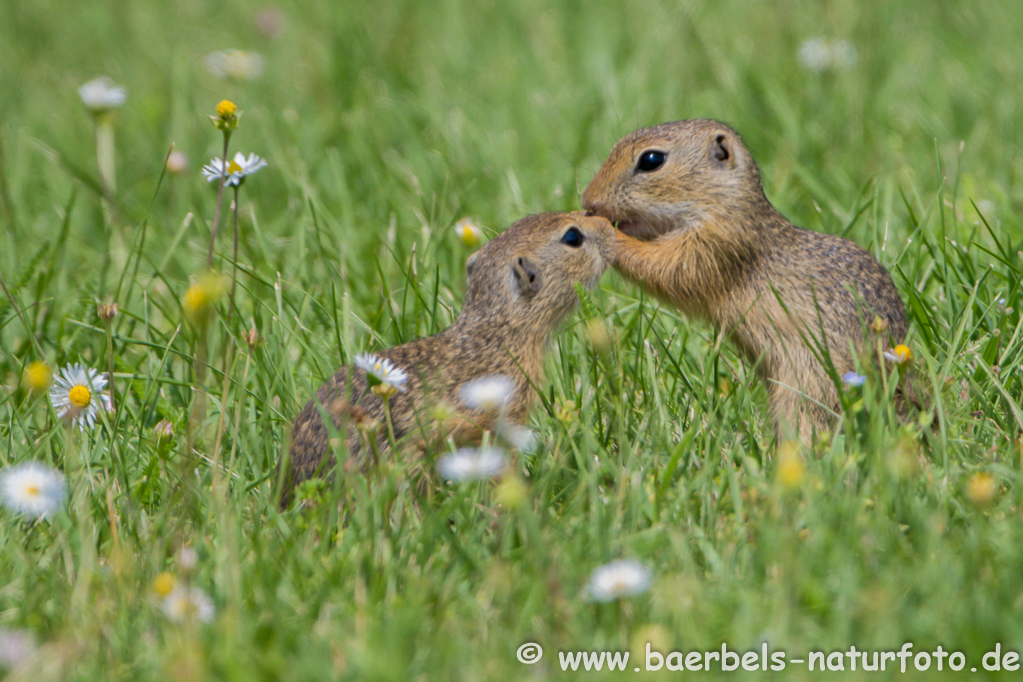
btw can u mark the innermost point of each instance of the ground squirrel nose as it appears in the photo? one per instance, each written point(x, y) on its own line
point(588, 204)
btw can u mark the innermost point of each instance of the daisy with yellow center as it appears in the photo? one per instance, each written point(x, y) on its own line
point(185, 604)
point(33, 489)
point(383, 377)
point(237, 169)
point(900, 355)
point(469, 232)
point(489, 393)
point(472, 464)
point(77, 395)
point(619, 579)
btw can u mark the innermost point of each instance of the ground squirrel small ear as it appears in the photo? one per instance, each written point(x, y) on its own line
point(470, 262)
point(721, 150)
point(527, 276)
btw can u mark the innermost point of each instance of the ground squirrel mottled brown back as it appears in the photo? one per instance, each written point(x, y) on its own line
point(520, 286)
point(696, 230)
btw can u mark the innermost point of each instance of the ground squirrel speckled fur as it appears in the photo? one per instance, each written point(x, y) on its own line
point(520, 285)
point(696, 230)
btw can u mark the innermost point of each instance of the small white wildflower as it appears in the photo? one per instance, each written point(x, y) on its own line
point(16, 646)
point(32, 488)
point(621, 578)
point(237, 169)
point(188, 559)
point(900, 355)
point(381, 372)
point(177, 162)
point(487, 394)
point(185, 603)
point(519, 437)
point(472, 464)
point(469, 232)
point(823, 54)
point(100, 94)
point(854, 379)
point(843, 54)
point(235, 64)
point(76, 395)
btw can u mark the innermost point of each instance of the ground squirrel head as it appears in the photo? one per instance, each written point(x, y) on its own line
point(675, 175)
point(528, 272)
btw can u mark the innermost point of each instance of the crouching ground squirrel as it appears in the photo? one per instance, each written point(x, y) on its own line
point(520, 285)
point(695, 229)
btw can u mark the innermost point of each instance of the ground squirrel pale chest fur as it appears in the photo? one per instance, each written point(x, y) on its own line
point(696, 230)
point(520, 286)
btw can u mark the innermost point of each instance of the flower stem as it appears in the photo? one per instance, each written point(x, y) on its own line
point(390, 426)
point(234, 259)
point(220, 199)
point(110, 358)
point(105, 155)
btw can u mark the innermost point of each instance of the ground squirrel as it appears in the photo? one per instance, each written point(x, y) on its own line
point(520, 285)
point(696, 230)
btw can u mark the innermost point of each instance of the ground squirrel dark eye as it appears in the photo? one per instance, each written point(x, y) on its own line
point(572, 237)
point(650, 161)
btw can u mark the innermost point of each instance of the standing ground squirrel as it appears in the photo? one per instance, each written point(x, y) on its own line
point(696, 230)
point(520, 285)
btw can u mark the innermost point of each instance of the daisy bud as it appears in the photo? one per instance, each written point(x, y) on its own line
point(164, 583)
point(790, 470)
point(981, 489)
point(37, 377)
point(177, 162)
point(107, 311)
point(227, 116)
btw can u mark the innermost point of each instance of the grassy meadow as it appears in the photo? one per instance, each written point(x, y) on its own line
point(895, 124)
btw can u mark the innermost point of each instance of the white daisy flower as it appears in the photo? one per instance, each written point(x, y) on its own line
point(76, 395)
point(521, 438)
point(472, 464)
point(235, 64)
point(185, 603)
point(32, 488)
point(900, 355)
point(237, 169)
point(381, 372)
point(823, 54)
point(100, 94)
point(469, 232)
point(621, 578)
point(488, 394)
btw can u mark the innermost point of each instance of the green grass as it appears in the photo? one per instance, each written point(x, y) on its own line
point(383, 124)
